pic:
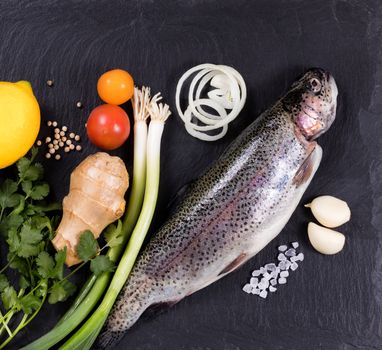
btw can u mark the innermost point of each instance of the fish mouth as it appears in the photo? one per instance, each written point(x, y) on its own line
point(333, 89)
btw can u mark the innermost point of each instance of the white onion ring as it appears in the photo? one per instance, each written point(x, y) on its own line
point(229, 93)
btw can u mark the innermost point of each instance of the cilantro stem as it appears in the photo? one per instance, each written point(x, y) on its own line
point(42, 282)
point(25, 320)
point(41, 304)
point(9, 262)
point(8, 316)
point(12, 310)
point(30, 271)
point(19, 327)
point(70, 274)
point(5, 324)
point(1, 213)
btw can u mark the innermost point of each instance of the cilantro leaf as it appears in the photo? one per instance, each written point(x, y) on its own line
point(60, 291)
point(4, 283)
point(100, 264)
point(10, 222)
point(8, 198)
point(22, 166)
point(29, 171)
point(27, 187)
point(34, 152)
point(13, 240)
point(29, 239)
point(41, 291)
point(45, 265)
point(113, 235)
point(41, 222)
point(29, 303)
point(19, 264)
point(20, 207)
point(39, 191)
point(8, 187)
point(36, 192)
point(9, 297)
point(87, 247)
point(23, 282)
point(60, 260)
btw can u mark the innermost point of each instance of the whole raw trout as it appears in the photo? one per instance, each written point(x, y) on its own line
point(236, 208)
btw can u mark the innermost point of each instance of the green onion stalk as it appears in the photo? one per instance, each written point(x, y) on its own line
point(95, 286)
point(85, 337)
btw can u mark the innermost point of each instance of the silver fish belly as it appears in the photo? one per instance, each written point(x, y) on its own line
point(232, 212)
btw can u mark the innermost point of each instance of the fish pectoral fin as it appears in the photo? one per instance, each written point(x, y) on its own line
point(305, 170)
point(234, 264)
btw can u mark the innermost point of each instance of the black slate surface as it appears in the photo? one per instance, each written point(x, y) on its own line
point(330, 302)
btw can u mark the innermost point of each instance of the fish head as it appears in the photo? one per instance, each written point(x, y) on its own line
point(312, 101)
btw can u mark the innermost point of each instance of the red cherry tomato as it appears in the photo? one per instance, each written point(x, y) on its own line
point(108, 126)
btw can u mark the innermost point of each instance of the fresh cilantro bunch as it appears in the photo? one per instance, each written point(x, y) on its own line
point(26, 228)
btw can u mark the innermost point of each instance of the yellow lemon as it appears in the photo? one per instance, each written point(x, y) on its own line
point(19, 121)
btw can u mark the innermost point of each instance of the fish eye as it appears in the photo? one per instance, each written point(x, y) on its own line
point(315, 85)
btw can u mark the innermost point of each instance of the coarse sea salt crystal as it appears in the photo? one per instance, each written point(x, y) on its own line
point(264, 284)
point(267, 276)
point(274, 274)
point(254, 281)
point(283, 264)
point(294, 266)
point(290, 252)
point(270, 267)
point(300, 257)
point(263, 294)
point(281, 257)
point(247, 288)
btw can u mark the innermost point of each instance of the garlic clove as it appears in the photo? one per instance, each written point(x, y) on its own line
point(325, 240)
point(330, 211)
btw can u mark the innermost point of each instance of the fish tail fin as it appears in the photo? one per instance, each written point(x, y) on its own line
point(132, 302)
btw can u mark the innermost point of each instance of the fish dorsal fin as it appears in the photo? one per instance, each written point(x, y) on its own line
point(234, 264)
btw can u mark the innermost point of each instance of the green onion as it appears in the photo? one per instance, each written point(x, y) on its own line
point(87, 334)
point(95, 286)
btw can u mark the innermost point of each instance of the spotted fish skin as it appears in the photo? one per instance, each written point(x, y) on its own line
point(236, 208)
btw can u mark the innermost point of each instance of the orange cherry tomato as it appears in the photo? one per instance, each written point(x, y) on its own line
point(115, 86)
point(108, 126)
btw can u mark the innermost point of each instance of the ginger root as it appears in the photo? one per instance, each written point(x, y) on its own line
point(96, 199)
